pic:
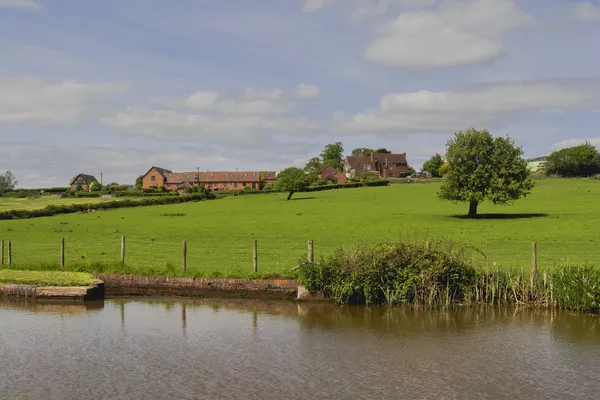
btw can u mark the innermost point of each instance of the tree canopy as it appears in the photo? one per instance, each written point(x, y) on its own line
point(481, 167)
point(433, 165)
point(383, 151)
point(314, 165)
point(139, 181)
point(333, 154)
point(95, 186)
point(364, 150)
point(582, 160)
point(7, 182)
point(293, 180)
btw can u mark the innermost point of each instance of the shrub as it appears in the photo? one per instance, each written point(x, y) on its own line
point(391, 273)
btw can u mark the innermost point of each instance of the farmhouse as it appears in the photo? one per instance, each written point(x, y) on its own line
point(382, 165)
point(332, 175)
point(536, 164)
point(82, 180)
point(213, 181)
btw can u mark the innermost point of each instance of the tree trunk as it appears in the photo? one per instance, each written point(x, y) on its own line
point(290, 195)
point(473, 209)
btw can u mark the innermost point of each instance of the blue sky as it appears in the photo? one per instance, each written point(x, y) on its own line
point(116, 87)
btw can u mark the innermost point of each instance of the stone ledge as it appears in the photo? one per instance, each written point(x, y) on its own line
point(72, 293)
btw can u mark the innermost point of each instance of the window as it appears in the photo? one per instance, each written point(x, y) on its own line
point(254, 186)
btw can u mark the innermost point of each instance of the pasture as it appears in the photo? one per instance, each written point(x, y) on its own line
point(563, 216)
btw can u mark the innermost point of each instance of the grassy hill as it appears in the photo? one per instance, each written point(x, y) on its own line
point(563, 216)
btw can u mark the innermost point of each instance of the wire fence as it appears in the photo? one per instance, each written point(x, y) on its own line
point(245, 256)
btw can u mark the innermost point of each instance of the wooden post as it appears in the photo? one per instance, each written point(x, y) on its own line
point(184, 256)
point(311, 251)
point(255, 255)
point(62, 252)
point(9, 253)
point(428, 246)
point(1, 252)
point(533, 267)
point(122, 249)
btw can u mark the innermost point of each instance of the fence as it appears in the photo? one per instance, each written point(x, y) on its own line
point(244, 256)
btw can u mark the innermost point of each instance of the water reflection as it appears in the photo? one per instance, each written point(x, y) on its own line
point(192, 348)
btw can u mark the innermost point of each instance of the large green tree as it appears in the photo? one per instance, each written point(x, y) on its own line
point(383, 151)
point(314, 165)
point(139, 182)
point(293, 180)
point(482, 167)
point(7, 182)
point(582, 160)
point(362, 150)
point(333, 154)
point(433, 165)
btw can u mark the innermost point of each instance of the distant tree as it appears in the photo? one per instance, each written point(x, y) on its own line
point(383, 151)
point(411, 170)
point(314, 165)
point(482, 167)
point(139, 182)
point(293, 180)
point(333, 154)
point(364, 150)
point(433, 165)
point(95, 186)
point(582, 160)
point(7, 182)
point(443, 169)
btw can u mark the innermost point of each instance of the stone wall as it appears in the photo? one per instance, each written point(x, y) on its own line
point(74, 293)
point(128, 285)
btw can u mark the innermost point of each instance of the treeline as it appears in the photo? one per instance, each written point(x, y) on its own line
point(55, 209)
point(576, 161)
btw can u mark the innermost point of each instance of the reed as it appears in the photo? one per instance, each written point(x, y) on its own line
point(441, 276)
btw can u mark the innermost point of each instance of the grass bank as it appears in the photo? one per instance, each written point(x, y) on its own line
point(561, 215)
point(408, 273)
point(46, 278)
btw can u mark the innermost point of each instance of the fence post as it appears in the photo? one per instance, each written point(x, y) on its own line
point(122, 249)
point(428, 245)
point(9, 253)
point(533, 266)
point(1, 252)
point(255, 255)
point(62, 252)
point(184, 256)
point(311, 251)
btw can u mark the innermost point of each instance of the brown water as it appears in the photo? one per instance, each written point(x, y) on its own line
point(134, 349)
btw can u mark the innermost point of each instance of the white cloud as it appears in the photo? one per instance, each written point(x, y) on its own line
point(208, 116)
point(371, 8)
point(310, 6)
point(456, 33)
point(576, 142)
point(585, 12)
point(482, 106)
point(25, 4)
point(53, 103)
point(306, 91)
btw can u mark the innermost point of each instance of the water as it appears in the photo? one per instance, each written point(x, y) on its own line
point(136, 349)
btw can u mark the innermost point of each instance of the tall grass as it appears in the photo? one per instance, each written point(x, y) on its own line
point(408, 273)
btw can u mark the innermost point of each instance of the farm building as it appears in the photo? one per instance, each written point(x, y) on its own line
point(536, 164)
point(213, 181)
point(82, 180)
point(382, 165)
point(332, 175)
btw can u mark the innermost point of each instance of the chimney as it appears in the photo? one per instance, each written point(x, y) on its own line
point(361, 154)
point(372, 157)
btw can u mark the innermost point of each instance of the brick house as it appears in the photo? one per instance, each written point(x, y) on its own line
point(84, 180)
point(213, 181)
point(382, 165)
point(332, 175)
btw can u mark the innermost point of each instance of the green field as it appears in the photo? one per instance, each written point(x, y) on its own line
point(12, 203)
point(46, 278)
point(563, 216)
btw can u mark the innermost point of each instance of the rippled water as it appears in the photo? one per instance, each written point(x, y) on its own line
point(134, 349)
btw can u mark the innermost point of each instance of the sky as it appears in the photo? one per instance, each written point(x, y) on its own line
point(115, 87)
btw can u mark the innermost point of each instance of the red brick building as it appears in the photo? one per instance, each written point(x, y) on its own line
point(380, 164)
point(213, 181)
point(332, 175)
point(82, 180)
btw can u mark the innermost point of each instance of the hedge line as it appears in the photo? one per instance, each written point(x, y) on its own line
point(131, 193)
point(383, 182)
point(34, 192)
point(53, 209)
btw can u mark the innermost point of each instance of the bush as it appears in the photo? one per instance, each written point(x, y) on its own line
point(379, 182)
point(391, 273)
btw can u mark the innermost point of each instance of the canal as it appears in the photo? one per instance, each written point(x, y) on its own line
point(198, 349)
